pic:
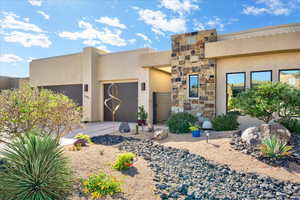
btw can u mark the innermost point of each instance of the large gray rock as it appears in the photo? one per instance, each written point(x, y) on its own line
point(160, 134)
point(124, 127)
point(277, 130)
point(251, 136)
point(255, 135)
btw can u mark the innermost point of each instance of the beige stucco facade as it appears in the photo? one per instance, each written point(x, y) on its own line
point(271, 48)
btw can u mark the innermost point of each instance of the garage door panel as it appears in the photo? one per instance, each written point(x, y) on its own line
point(128, 94)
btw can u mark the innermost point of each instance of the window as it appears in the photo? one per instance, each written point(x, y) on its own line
point(193, 85)
point(235, 84)
point(291, 77)
point(260, 77)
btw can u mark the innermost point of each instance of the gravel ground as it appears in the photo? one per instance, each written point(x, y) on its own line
point(179, 174)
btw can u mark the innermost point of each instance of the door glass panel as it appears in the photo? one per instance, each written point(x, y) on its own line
point(235, 84)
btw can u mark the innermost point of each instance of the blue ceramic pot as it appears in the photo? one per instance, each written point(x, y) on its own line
point(196, 133)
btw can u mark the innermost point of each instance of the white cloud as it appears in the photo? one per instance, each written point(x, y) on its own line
point(35, 2)
point(13, 21)
point(131, 41)
point(272, 7)
point(104, 48)
point(30, 59)
point(214, 22)
point(115, 22)
point(180, 6)
point(144, 37)
point(47, 17)
point(160, 24)
point(90, 35)
point(28, 39)
point(10, 58)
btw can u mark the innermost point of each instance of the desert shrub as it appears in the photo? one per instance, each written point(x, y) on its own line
point(268, 100)
point(101, 185)
point(273, 147)
point(180, 122)
point(142, 114)
point(35, 168)
point(28, 108)
point(293, 125)
point(85, 137)
point(225, 122)
point(124, 161)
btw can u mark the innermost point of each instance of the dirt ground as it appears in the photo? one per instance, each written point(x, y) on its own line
point(218, 150)
point(137, 182)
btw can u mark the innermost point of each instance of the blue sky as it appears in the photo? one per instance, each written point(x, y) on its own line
point(32, 29)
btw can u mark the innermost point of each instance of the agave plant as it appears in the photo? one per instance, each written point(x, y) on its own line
point(274, 147)
point(34, 169)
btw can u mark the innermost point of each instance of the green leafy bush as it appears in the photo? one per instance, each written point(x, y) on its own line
point(142, 114)
point(29, 108)
point(85, 137)
point(101, 185)
point(180, 122)
point(268, 99)
point(293, 125)
point(273, 147)
point(35, 168)
point(226, 122)
point(124, 161)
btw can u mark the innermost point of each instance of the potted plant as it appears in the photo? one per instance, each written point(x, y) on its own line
point(142, 116)
point(196, 130)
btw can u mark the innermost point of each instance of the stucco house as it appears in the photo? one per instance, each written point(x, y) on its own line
point(200, 74)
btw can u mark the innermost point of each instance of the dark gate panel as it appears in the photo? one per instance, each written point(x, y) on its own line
point(128, 93)
point(74, 92)
point(161, 106)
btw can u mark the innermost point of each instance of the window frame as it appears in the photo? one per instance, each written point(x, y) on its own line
point(285, 70)
point(226, 81)
point(198, 84)
point(251, 73)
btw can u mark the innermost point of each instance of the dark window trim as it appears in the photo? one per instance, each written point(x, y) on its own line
point(260, 71)
point(227, 84)
point(285, 70)
point(197, 87)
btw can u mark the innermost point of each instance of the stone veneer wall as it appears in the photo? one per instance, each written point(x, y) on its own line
point(188, 58)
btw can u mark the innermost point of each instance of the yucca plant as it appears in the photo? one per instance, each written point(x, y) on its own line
point(274, 147)
point(34, 169)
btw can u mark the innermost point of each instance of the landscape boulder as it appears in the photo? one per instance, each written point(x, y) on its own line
point(160, 134)
point(255, 135)
point(124, 127)
point(251, 136)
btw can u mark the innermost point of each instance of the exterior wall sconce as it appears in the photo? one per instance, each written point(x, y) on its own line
point(86, 87)
point(143, 86)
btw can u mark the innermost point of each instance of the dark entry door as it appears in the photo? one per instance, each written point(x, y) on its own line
point(128, 93)
point(161, 106)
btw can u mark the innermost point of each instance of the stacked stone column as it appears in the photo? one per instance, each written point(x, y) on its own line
point(188, 57)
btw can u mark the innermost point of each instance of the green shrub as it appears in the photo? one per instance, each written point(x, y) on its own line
point(35, 168)
point(269, 99)
point(180, 122)
point(142, 114)
point(273, 147)
point(124, 161)
point(226, 122)
point(293, 125)
point(28, 108)
point(101, 185)
point(85, 137)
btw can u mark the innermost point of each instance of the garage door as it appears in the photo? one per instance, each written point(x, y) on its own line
point(128, 93)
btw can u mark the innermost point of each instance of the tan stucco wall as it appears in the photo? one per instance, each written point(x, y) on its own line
point(60, 70)
point(123, 67)
point(253, 45)
point(274, 62)
point(159, 82)
point(160, 58)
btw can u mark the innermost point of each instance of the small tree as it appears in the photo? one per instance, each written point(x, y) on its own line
point(268, 100)
point(28, 108)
